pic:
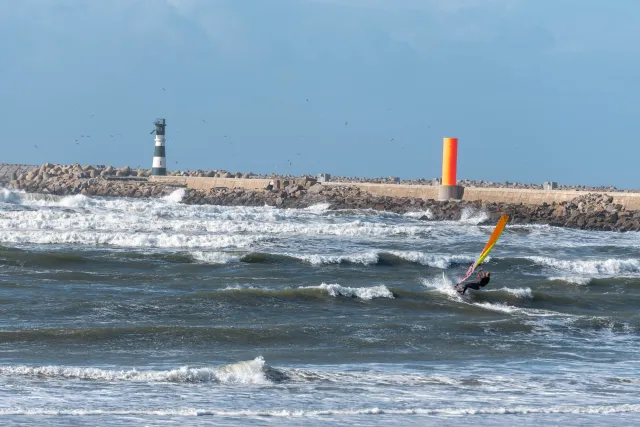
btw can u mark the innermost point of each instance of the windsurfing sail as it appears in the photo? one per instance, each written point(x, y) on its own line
point(489, 246)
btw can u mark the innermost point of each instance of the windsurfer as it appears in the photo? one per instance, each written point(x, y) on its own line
point(483, 280)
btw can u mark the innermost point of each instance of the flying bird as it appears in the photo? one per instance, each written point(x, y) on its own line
point(345, 123)
point(36, 146)
point(392, 139)
point(163, 89)
point(204, 120)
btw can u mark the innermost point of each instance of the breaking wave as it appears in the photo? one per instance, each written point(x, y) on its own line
point(293, 413)
point(524, 293)
point(595, 267)
point(245, 372)
point(336, 290)
point(575, 280)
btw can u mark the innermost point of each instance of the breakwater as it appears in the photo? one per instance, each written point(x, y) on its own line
point(595, 211)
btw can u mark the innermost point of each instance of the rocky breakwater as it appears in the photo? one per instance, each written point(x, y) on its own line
point(593, 211)
point(89, 180)
point(589, 212)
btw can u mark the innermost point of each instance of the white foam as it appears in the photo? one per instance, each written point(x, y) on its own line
point(75, 201)
point(215, 257)
point(524, 293)
point(593, 267)
point(319, 208)
point(129, 240)
point(338, 413)
point(10, 196)
point(501, 308)
point(136, 217)
point(443, 286)
point(419, 214)
point(509, 309)
point(473, 216)
point(176, 196)
point(246, 372)
point(576, 280)
point(366, 258)
point(336, 290)
point(434, 260)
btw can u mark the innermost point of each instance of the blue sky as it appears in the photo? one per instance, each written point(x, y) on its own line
point(535, 90)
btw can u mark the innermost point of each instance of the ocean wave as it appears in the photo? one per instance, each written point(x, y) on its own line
point(215, 257)
point(419, 214)
point(156, 218)
point(304, 292)
point(443, 286)
point(128, 240)
point(366, 258)
point(245, 372)
point(336, 290)
point(318, 208)
point(595, 267)
point(524, 293)
point(176, 196)
point(434, 260)
point(575, 280)
point(388, 258)
point(338, 413)
point(473, 216)
point(510, 309)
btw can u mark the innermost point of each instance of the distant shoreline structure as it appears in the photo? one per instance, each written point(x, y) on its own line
point(612, 211)
point(6, 170)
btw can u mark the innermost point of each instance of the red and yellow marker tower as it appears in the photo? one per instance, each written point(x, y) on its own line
point(449, 188)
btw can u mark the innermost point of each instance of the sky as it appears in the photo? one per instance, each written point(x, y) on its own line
point(536, 91)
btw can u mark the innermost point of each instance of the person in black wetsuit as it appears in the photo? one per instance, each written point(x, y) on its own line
point(483, 280)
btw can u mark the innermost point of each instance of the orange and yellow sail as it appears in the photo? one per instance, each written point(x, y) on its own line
point(489, 246)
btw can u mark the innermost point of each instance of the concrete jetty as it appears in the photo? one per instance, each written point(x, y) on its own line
point(630, 201)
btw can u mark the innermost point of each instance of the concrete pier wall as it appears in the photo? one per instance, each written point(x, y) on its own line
point(630, 201)
point(202, 183)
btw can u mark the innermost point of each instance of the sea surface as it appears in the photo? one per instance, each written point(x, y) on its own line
point(152, 312)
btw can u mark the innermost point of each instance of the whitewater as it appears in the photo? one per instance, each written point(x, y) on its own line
point(121, 311)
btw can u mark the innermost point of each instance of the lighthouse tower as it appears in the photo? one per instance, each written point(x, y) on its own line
point(159, 157)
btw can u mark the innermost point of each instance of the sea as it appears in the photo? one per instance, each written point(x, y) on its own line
point(117, 311)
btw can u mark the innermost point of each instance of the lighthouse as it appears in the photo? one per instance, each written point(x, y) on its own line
point(159, 157)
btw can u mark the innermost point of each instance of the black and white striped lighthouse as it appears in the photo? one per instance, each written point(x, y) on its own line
point(159, 157)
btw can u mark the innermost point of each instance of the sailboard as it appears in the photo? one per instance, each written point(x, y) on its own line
point(488, 247)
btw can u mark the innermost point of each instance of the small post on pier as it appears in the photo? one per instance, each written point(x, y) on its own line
point(449, 188)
